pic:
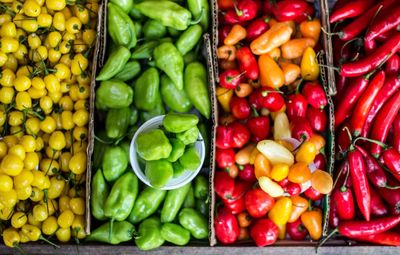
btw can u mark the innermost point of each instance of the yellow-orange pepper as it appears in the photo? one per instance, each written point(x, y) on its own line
point(318, 141)
point(242, 157)
point(236, 34)
point(271, 75)
point(290, 71)
point(281, 211)
point(275, 53)
point(312, 221)
point(224, 97)
point(279, 172)
point(306, 153)
point(311, 29)
point(295, 48)
point(299, 206)
point(277, 35)
point(270, 187)
point(299, 173)
point(262, 167)
point(309, 65)
point(226, 52)
point(282, 231)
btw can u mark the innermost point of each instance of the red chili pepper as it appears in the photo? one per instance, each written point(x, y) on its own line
point(301, 129)
point(223, 33)
point(296, 106)
point(289, 9)
point(391, 196)
point(258, 203)
point(296, 230)
point(383, 122)
point(333, 216)
point(224, 158)
point(292, 188)
point(350, 96)
point(264, 232)
point(378, 207)
point(396, 132)
point(375, 173)
point(313, 194)
point(257, 27)
point(315, 95)
point(317, 119)
point(247, 63)
point(392, 84)
point(224, 185)
point(388, 20)
point(342, 138)
point(320, 161)
point(240, 108)
point(230, 79)
point(271, 99)
point(360, 228)
point(364, 104)
point(308, 12)
point(373, 60)
point(350, 9)
point(226, 226)
point(343, 198)
point(259, 127)
point(385, 36)
point(341, 84)
point(341, 51)
point(224, 137)
point(392, 66)
point(240, 136)
point(246, 173)
point(391, 159)
point(386, 238)
point(360, 182)
point(370, 46)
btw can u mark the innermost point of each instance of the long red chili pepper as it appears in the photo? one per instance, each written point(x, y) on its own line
point(333, 215)
point(392, 84)
point(370, 46)
point(378, 207)
point(365, 103)
point(391, 196)
point(247, 63)
point(350, 9)
point(360, 182)
point(386, 238)
point(341, 83)
point(396, 132)
point(391, 159)
point(380, 25)
point(351, 94)
point(343, 198)
point(383, 122)
point(392, 66)
point(373, 60)
point(360, 228)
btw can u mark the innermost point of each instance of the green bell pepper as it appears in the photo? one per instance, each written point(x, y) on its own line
point(136, 14)
point(174, 98)
point(122, 231)
point(175, 234)
point(178, 148)
point(99, 195)
point(189, 202)
point(153, 145)
point(114, 64)
point(202, 207)
point(159, 172)
point(149, 234)
point(197, 89)
point(147, 89)
point(169, 60)
point(179, 122)
point(178, 169)
point(120, 27)
point(201, 187)
point(125, 5)
point(189, 39)
point(157, 111)
point(130, 71)
point(195, 222)
point(189, 136)
point(153, 29)
point(190, 57)
point(117, 122)
point(146, 204)
point(200, 9)
point(134, 116)
point(173, 32)
point(138, 29)
point(190, 160)
point(115, 162)
point(113, 94)
point(144, 51)
point(173, 202)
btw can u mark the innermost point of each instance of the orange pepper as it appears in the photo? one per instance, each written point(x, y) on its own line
point(296, 47)
point(271, 75)
point(243, 90)
point(290, 71)
point(242, 157)
point(275, 53)
point(281, 211)
point(226, 52)
point(312, 221)
point(253, 156)
point(244, 219)
point(277, 35)
point(299, 173)
point(299, 206)
point(233, 171)
point(322, 181)
point(318, 141)
point(224, 97)
point(306, 153)
point(262, 167)
point(236, 34)
point(290, 23)
point(311, 29)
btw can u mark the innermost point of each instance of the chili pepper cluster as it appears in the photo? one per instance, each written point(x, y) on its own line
point(366, 42)
point(270, 136)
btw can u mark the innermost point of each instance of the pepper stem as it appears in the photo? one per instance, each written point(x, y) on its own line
point(391, 187)
point(371, 141)
point(326, 239)
point(48, 241)
point(340, 34)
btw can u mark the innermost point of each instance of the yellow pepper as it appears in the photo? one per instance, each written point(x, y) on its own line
point(224, 97)
point(270, 187)
point(275, 152)
point(281, 211)
point(277, 35)
point(282, 231)
point(306, 153)
point(11, 237)
point(279, 172)
point(309, 65)
point(281, 127)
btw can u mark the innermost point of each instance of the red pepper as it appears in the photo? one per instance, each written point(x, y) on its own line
point(225, 4)
point(373, 60)
point(333, 215)
point(370, 46)
point(268, 6)
point(385, 36)
point(240, 136)
point(230, 17)
point(292, 188)
point(256, 99)
point(224, 158)
point(396, 132)
point(240, 190)
point(246, 173)
point(388, 20)
point(375, 173)
point(235, 206)
point(320, 161)
point(350, 9)
point(230, 79)
point(308, 12)
point(264, 232)
point(247, 63)
point(257, 27)
point(313, 194)
point(360, 182)
point(289, 9)
point(224, 137)
point(378, 207)
point(391, 159)
point(259, 127)
point(354, 228)
point(258, 202)
point(247, 9)
point(301, 129)
point(315, 95)
point(391, 197)
point(317, 119)
point(342, 138)
point(284, 182)
point(350, 96)
point(296, 106)
point(383, 122)
point(224, 185)
point(386, 238)
point(392, 66)
point(271, 99)
point(240, 108)
point(343, 198)
point(364, 104)
point(226, 226)
point(392, 84)
point(296, 230)
point(341, 84)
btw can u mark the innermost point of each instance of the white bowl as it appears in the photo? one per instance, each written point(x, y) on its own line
point(176, 182)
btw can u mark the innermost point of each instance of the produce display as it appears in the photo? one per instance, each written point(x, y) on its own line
point(270, 140)
point(45, 58)
point(366, 44)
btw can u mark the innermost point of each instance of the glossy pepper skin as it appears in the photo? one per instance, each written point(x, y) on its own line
point(130, 71)
point(113, 94)
point(150, 234)
point(147, 89)
point(296, 106)
point(169, 59)
point(189, 39)
point(146, 204)
point(195, 222)
point(122, 231)
point(259, 127)
point(315, 95)
point(289, 10)
point(309, 65)
point(145, 50)
point(179, 122)
point(99, 193)
point(200, 9)
point(153, 145)
point(174, 98)
point(257, 27)
point(115, 162)
point(114, 64)
point(120, 27)
point(175, 234)
point(173, 203)
point(125, 5)
point(349, 10)
point(264, 232)
point(117, 122)
point(361, 228)
point(153, 29)
point(159, 172)
point(226, 226)
point(312, 221)
point(247, 63)
point(296, 230)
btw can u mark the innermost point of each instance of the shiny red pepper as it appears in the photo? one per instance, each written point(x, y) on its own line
point(386, 238)
point(308, 12)
point(226, 226)
point(342, 138)
point(256, 99)
point(378, 207)
point(224, 137)
point(396, 132)
point(289, 9)
point(315, 95)
point(343, 198)
point(296, 230)
point(259, 127)
point(240, 136)
point(354, 228)
point(391, 197)
point(333, 215)
point(247, 63)
point(296, 106)
point(301, 129)
point(375, 173)
point(258, 202)
point(317, 119)
point(271, 99)
point(257, 27)
point(388, 20)
point(370, 46)
point(240, 108)
point(350, 9)
point(320, 161)
point(264, 232)
point(225, 158)
point(341, 83)
point(391, 159)
point(223, 33)
point(246, 173)
point(230, 79)
point(292, 188)
point(244, 10)
point(313, 194)
point(224, 185)
point(235, 206)
point(392, 66)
